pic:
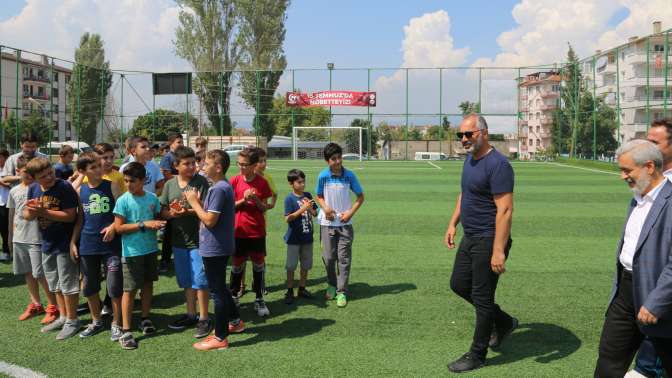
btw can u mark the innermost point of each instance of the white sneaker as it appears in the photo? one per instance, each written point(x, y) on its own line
point(260, 307)
point(634, 374)
point(115, 332)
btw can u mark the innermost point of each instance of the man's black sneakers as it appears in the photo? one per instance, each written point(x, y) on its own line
point(467, 362)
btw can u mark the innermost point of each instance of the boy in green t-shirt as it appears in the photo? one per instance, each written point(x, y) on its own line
point(184, 224)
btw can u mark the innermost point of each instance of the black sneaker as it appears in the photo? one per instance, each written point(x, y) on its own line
point(183, 322)
point(92, 329)
point(289, 297)
point(467, 362)
point(146, 327)
point(496, 337)
point(127, 341)
point(203, 328)
point(303, 293)
point(164, 266)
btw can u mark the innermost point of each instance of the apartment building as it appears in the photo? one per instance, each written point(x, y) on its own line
point(539, 97)
point(631, 77)
point(41, 87)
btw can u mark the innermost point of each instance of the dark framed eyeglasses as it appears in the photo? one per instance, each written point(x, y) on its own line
point(468, 134)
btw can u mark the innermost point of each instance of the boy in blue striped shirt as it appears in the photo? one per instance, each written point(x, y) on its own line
point(334, 185)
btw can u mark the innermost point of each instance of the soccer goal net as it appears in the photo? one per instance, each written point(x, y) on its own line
point(309, 142)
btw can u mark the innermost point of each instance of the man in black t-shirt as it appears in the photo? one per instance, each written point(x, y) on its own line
point(485, 208)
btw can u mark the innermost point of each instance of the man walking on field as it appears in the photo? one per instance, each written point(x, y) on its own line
point(485, 208)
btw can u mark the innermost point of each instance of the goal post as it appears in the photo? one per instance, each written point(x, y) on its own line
point(308, 141)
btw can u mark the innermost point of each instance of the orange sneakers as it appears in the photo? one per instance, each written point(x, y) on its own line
point(238, 328)
point(52, 314)
point(211, 343)
point(33, 309)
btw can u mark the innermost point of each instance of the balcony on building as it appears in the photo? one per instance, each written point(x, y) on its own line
point(548, 107)
point(550, 94)
point(36, 78)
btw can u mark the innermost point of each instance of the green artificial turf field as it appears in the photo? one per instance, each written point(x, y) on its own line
point(402, 319)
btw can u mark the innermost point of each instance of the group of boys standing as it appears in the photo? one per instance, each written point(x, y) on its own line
point(67, 228)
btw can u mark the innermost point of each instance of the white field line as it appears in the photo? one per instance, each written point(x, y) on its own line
point(434, 165)
point(18, 371)
point(583, 169)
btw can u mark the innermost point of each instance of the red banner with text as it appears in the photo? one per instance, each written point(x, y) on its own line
point(331, 98)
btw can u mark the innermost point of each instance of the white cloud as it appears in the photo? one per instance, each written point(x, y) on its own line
point(138, 34)
point(543, 29)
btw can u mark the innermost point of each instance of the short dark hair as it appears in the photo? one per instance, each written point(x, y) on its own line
point(102, 148)
point(173, 136)
point(262, 152)
point(221, 158)
point(251, 154)
point(135, 170)
point(66, 150)
point(30, 137)
point(295, 174)
point(86, 159)
point(155, 146)
point(134, 141)
point(4, 152)
point(183, 152)
point(667, 124)
point(332, 149)
point(201, 141)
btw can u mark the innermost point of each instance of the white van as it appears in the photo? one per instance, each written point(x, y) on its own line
point(430, 156)
point(52, 148)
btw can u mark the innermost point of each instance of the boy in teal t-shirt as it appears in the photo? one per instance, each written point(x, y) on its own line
point(134, 218)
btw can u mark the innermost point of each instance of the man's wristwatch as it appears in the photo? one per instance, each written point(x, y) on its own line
point(141, 225)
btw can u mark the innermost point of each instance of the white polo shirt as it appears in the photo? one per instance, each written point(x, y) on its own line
point(634, 226)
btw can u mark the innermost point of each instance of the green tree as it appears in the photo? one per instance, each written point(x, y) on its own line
point(35, 123)
point(353, 138)
point(208, 37)
point(282, 115)
point(467, 107)
point(89, 85)
point(158, 125)
point(262, 33)
point(573, 122)
point(414, 134)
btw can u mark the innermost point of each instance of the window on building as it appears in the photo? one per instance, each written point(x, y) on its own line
point(26, 72)
point(531, 142)
point(538, 142)
point(659, 48)
point(538, 130)
point(537, 116)
point(611, 59)
point(658, 94)
point(55, 108)
point(54, 92)
point(556, 88)
point(40, 91)
point(55, 77)
point(26, 105)
point(40, 74)
point(26, 91)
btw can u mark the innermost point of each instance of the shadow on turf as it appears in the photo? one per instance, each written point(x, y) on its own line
point(10, 280)
point(289, 329)
point(542, 341)
point(358, 291)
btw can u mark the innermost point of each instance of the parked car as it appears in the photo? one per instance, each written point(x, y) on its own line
point(430, 156)
point(233, 150)
point(52, 148)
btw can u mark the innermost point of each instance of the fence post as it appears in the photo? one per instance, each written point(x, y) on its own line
point(406, 128)
point(257, 105)
point(102, 105)
point(648, 88)
point(667, 61)
point(594, 112)
point(221, 110)
point(618, 100)
point(51, 101)
point(79, 104)
point(16, 111)
point(121, 114)
point(441, 110)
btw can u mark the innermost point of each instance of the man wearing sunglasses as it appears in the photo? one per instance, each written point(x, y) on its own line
point(484, 207)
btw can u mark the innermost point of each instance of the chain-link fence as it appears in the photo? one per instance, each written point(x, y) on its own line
point(581, 107)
